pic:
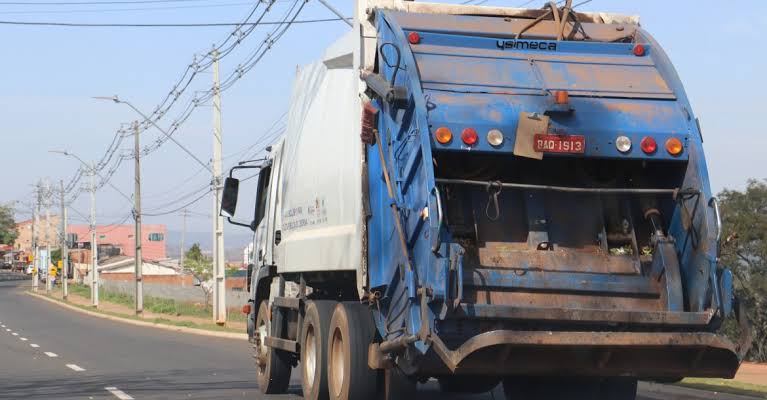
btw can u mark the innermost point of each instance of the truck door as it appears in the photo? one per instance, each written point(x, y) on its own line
point(266, 210)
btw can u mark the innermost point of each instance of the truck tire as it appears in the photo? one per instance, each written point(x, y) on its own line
point(351, 333)
point(272, 365)
point(314, 349)
point(468, 384)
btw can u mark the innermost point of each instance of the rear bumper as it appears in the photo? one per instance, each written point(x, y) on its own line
point(639, 354)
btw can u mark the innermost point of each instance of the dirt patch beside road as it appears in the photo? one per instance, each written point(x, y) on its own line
point(752, 373)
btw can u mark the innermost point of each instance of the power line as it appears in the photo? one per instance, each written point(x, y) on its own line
point(81, 3)
point(161, 25)
point(103, 10)
point(157, 214)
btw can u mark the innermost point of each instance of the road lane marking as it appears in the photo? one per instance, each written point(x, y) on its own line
point(34, 345)
point(118, 393)
point(51, 355)
point(75, 367)
point(7, 330)
point(15, 334)
point(23, 339)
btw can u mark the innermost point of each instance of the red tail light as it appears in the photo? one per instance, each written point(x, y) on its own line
point(246, 309)
point(414, 38)
point(469, 136)
point(638, 50)
point(648, 145)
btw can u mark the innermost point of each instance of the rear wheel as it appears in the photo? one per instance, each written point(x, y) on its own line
point(272, 365)
point(351, 333)
point(314, 345)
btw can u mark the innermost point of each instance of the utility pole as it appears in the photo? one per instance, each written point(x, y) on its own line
point(183, 237)
point(35, 249)
point(47, 237)
point(64, 245)
point(137, 215)
point(94, 245)
point(219, 286)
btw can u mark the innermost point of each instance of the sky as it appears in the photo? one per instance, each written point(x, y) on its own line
point(50, 74)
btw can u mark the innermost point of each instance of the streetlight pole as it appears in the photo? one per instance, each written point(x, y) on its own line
point(137, 215)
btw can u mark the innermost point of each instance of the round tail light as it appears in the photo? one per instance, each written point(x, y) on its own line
point(638, 50)
point(674, 146)
point(443, 135)
point(495, 137)
point(414, 38)
point(623, 144)
point(469, 136)
point(648, 145)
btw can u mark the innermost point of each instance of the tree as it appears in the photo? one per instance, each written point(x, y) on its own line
point(202, 269)
point(8, 232)
point(744, 250)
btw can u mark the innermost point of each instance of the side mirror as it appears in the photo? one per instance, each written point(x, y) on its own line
point(229, 198)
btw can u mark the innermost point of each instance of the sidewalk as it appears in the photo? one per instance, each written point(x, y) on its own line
point(128, 312)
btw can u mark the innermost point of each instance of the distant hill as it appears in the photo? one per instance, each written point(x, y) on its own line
point(234, 242)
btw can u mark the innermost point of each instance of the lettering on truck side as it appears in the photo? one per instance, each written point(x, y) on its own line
point(526, 45)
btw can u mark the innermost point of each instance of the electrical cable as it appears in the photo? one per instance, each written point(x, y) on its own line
point(103, 10)
point(164, 25)
point(157, 214)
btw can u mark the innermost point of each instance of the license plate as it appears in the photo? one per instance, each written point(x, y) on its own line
point(559, 143)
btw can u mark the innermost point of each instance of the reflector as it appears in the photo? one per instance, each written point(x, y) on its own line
point(674, 146)
point(414, 38)
point(648, 145)
point(623, 144)
point(495, 137)
point(469, 136)
point(638, 50)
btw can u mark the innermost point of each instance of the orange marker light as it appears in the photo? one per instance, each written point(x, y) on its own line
point(443, 135)
point(469, 136)
point(561, 97)
point(246, 309)
point(414, 38)
point(674, 146)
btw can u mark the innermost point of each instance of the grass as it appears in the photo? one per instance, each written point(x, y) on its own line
point(158, 305)
point(726, 386)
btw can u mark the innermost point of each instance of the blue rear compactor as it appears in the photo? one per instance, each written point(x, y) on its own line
point(555, 213)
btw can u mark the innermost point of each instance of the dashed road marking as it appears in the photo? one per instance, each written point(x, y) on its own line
point(75, 367)
point(118, 393)
point(23, 339)
point(34, 345)
point(7, 330)
point(51, 355)
point(15, 334)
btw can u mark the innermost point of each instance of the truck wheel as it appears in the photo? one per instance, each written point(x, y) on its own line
point(395, 385)
point(468, 384)
point(618, 389)
point(351, 332)
point(314, 345)
point(272, 365)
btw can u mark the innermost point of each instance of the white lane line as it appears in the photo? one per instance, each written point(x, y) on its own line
point(75, 367)
point(118, 393)
point(23, 339)
point(34, 345)
point(51, 355)
point(15, 334)
point(7, 330)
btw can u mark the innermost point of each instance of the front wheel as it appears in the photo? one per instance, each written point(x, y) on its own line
point(272, 365)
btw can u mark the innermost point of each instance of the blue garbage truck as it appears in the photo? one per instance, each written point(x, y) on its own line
point(484, 196)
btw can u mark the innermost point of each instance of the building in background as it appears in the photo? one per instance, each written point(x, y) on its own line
point(114, 240)
point(23, 242)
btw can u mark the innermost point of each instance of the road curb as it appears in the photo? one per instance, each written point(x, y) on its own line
point(183, 329)
point(657, 391)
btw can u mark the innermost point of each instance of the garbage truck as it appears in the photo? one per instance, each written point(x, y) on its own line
point(483, 196)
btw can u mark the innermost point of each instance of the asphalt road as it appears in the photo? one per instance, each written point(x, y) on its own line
point(48, 352)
